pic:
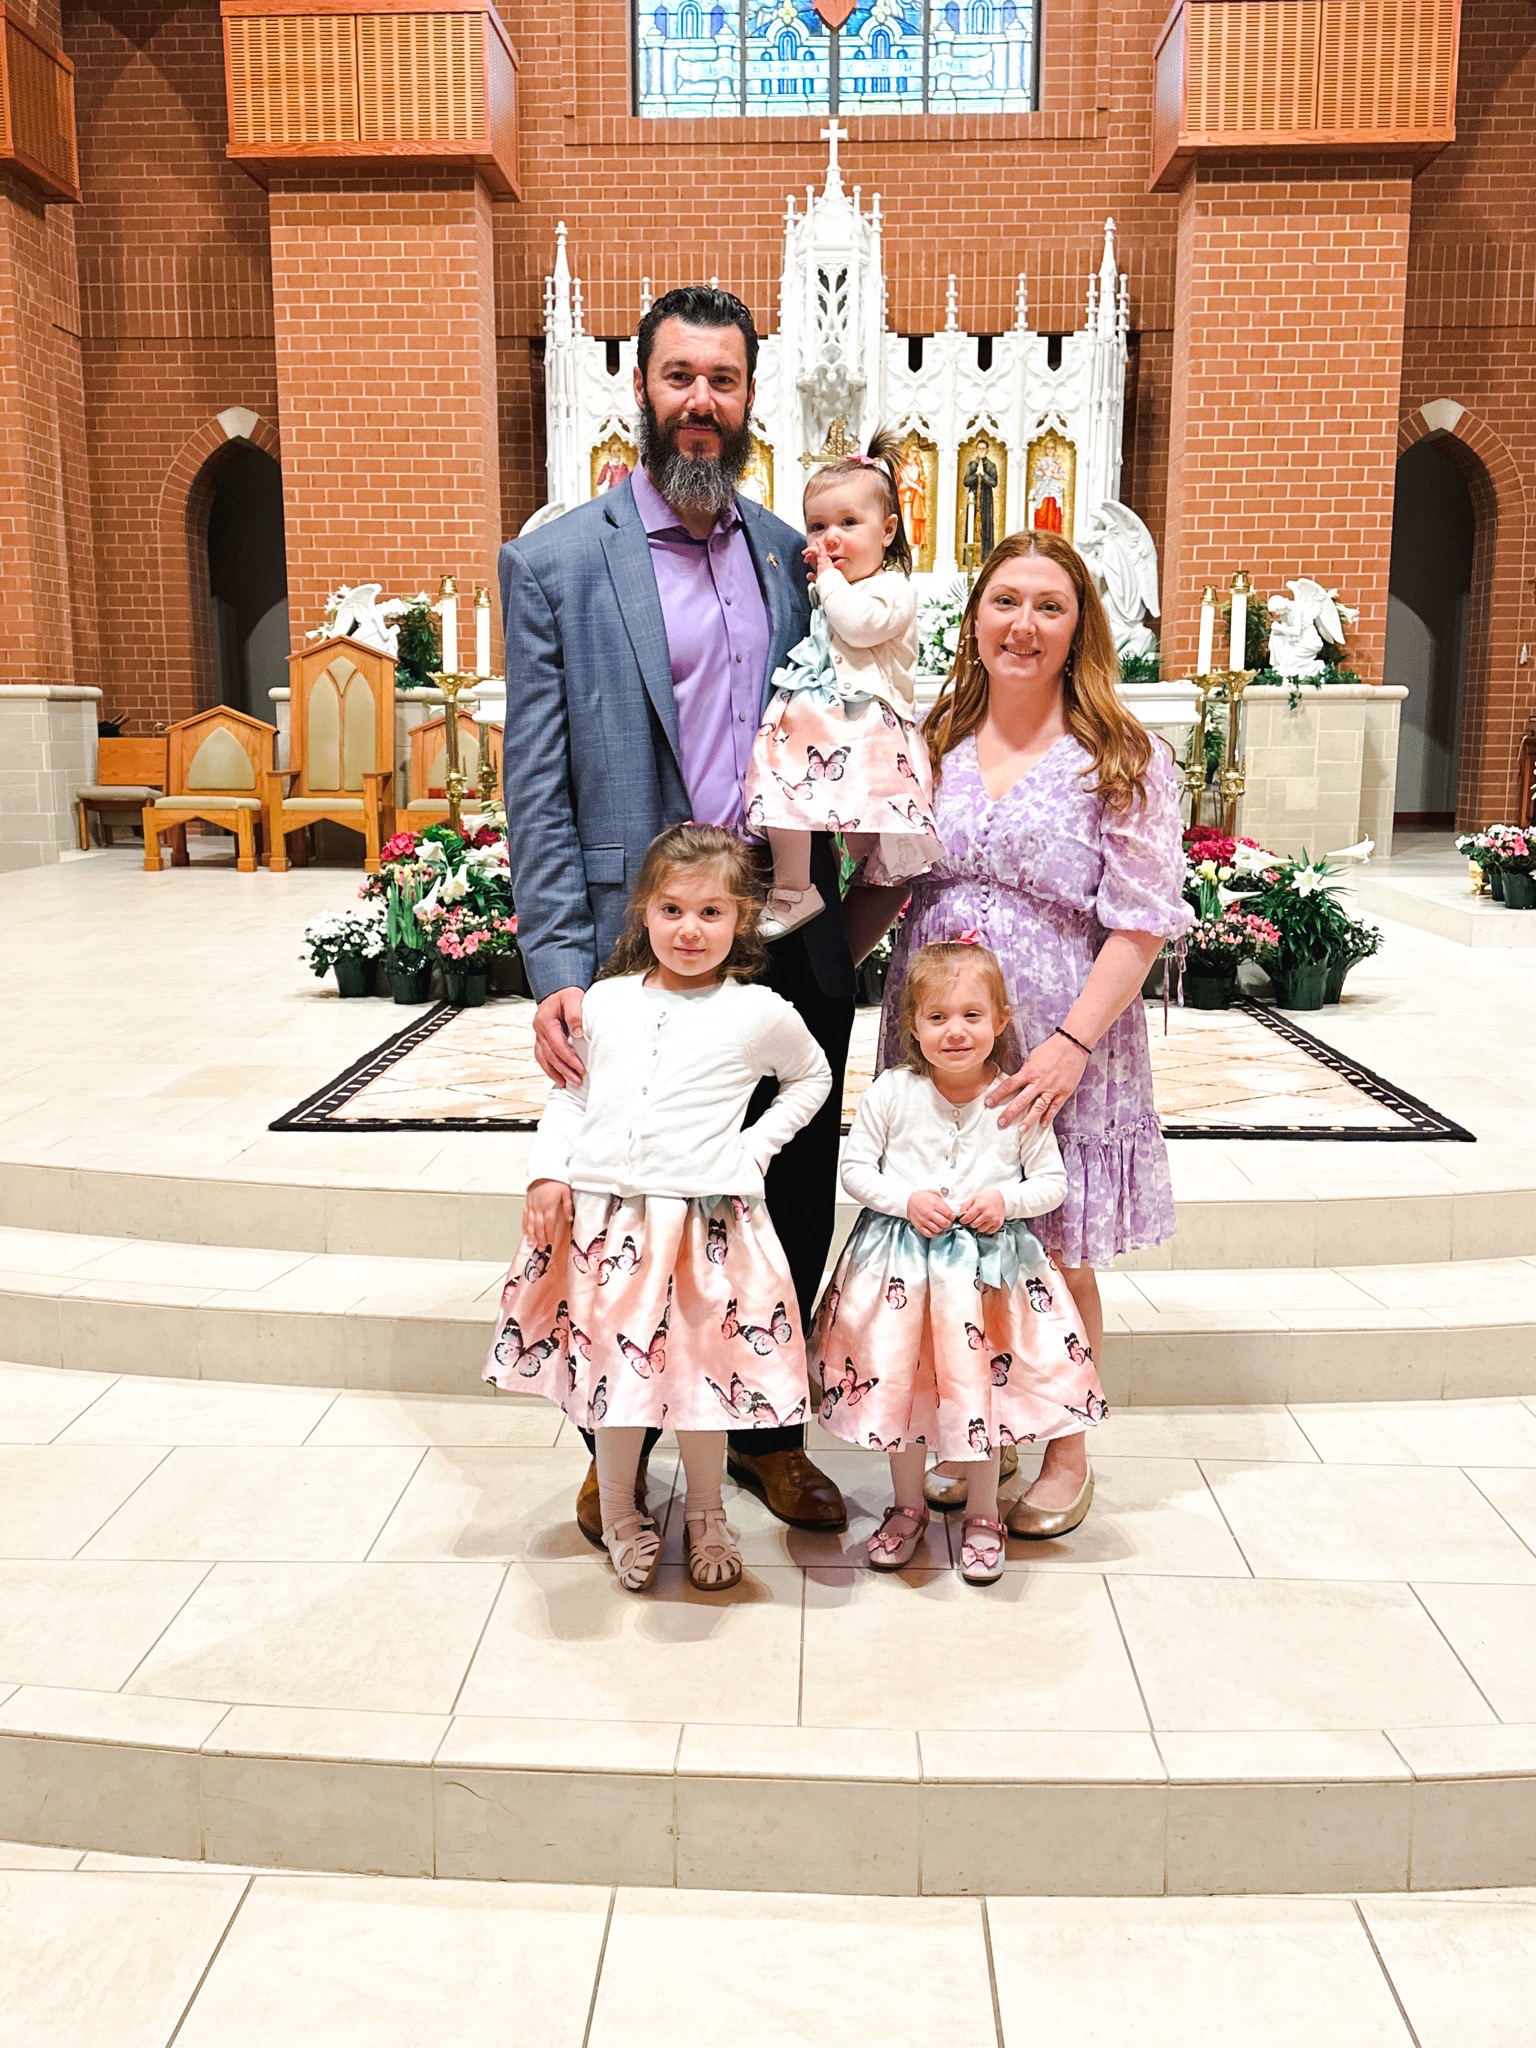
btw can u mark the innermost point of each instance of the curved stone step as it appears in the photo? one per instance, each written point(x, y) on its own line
point(1301, 1205)
point(358, 1632)
point(1388, 1332)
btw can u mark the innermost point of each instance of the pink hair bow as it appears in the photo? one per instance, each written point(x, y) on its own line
point(971, 938)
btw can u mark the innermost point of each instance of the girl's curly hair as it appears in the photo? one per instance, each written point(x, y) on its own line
point(686, 849)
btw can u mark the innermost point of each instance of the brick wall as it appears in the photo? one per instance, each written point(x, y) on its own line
point(175, 294)
point(1265, 399)
point(383, 295)
point(1471, 339)
point(1287, 361)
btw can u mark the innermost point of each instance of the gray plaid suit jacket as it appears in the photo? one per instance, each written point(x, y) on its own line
point(592, 771)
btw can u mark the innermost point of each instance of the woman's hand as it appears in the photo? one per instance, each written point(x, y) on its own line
point(929, 1212)
point(1044, 1082)
point(547, 1207)
point(984, 1211)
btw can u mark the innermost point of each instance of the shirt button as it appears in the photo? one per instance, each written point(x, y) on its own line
point(738, 660)
point(728, 600)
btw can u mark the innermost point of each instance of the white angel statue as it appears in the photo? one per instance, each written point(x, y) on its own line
point(1123, 557)
point(356, 611)
point(1300, 625)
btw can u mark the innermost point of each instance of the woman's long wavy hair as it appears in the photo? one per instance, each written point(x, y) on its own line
point(1117, 743)
point(685, 850)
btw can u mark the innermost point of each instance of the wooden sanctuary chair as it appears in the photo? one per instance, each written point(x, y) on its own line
point(428, 772)
point(217, 769)
point(129, 775)
point(341, 748)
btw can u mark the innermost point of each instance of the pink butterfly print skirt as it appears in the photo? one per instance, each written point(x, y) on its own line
point(829, 763)
point(962, 1342)
point(655, 1311)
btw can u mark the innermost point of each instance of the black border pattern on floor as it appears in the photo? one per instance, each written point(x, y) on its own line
point(317, 1112)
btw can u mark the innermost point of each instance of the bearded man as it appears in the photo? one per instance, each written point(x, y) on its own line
point(642, 631)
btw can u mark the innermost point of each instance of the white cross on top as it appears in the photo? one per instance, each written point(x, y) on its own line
point(832, 135)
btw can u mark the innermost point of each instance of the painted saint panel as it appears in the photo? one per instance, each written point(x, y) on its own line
point(612, 461)
point(757, 477)
point(982, 471)
point(1050, 485)
point(917, 489)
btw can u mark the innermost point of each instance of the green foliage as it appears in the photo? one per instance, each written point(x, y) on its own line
point(1255, 635)
point(419, 652)
point(1141, 668)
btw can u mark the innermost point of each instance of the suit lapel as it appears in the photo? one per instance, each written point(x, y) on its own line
point(627, 548)
point(773, 574)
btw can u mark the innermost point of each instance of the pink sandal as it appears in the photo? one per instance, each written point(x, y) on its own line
point(980, 1563)
point(883, 1557)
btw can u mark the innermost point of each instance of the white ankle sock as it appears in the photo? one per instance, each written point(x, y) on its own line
point(618, 1461)
point(703, 1455)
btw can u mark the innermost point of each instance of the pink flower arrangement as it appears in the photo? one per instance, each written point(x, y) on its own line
point(461, 935)
point(1218, 944)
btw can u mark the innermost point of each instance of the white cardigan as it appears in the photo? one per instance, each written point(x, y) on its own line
point(906, 1137)
point(668, 1079)
point(874, 635)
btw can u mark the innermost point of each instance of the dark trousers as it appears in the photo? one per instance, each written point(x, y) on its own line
point(801, 1184)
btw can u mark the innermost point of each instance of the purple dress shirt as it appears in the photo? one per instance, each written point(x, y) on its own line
point(718, 635)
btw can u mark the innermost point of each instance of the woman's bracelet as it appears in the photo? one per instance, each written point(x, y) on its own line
point(1061, 1031)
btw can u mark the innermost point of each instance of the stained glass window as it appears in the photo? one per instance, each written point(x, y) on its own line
point(717, 57)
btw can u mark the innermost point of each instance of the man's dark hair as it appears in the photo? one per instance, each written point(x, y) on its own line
point(699, 305)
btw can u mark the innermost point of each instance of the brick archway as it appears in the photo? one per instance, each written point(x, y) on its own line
point(186, 610)
point(1498, 694)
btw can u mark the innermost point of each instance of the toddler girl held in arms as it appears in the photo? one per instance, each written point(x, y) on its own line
point(839, 750)
point(944, 1326)
point(650, 1289)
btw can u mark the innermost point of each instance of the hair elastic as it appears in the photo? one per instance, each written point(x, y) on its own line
point(1061, 1031)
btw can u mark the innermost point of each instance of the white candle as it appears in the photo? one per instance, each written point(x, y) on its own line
point(1207, 630)
point(448, 619)
point(482, 631)
point(1237, 648)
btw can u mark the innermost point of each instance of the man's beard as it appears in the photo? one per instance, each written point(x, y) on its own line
point(702, 484)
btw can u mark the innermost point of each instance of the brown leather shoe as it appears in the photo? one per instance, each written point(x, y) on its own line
point(589, 1506)
point(791, 1488)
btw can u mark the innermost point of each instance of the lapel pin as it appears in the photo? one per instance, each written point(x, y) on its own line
point(773, 560)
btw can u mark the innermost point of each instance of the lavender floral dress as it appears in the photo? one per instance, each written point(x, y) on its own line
point(1044, 874)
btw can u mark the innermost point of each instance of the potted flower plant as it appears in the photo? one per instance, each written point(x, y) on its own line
point(403, 880)
point(1517, 857)
point(1216, 948)
point(1302, 905)
point(1476, 849)
point(465, 942)
point(1359, 941)
point(348, 941)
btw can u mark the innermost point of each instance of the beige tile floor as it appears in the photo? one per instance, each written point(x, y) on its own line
point(1256, 1570)
point(198, 1023)
point(101, 1951)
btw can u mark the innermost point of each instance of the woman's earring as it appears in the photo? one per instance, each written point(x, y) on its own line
point(1071, 667)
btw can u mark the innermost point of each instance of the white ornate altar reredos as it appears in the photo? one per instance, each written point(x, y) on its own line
point(997, 432)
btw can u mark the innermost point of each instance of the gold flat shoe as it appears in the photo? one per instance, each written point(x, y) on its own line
point(1041, 1523)
point(942, 1491)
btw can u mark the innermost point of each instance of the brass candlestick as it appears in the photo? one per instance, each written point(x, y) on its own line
point(1232, 780)
point(454, 683)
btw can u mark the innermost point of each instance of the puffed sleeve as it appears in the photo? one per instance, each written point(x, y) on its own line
point(866, 614)
point(1141, 888)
